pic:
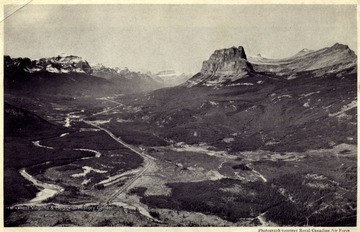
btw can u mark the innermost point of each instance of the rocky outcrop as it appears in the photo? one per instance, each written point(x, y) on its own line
point(229, 61)
point(58, 64)
point(223, 67)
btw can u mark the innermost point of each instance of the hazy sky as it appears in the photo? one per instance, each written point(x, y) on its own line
point(180, 37)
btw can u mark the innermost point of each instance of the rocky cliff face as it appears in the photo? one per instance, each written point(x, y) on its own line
point(228, 61)
point(58, 64)
point(223, 67)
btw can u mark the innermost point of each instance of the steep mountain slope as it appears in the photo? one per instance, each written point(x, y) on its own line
point(22, 123)
point(46, 83)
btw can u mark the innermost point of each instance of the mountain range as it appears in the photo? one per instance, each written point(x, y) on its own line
point(66, 66)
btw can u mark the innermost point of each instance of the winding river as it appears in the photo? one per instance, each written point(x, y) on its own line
point(47, 190)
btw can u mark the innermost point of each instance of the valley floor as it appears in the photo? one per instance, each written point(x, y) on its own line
point(112, 182)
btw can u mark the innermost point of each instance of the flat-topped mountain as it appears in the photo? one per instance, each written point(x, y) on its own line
point(227, 61)
point(224, 66)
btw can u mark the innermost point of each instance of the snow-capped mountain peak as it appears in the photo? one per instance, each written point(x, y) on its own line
point(59, 64)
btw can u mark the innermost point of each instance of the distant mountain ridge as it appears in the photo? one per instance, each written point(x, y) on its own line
point(338, 56)
point(127, 78)
point(120, 73)
point(172, 77)
point(106, 72)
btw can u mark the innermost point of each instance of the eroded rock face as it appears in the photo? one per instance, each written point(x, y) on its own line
point(229, 61)
point(224, 67)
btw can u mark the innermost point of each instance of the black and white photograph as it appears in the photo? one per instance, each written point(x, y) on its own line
point(180, 115)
